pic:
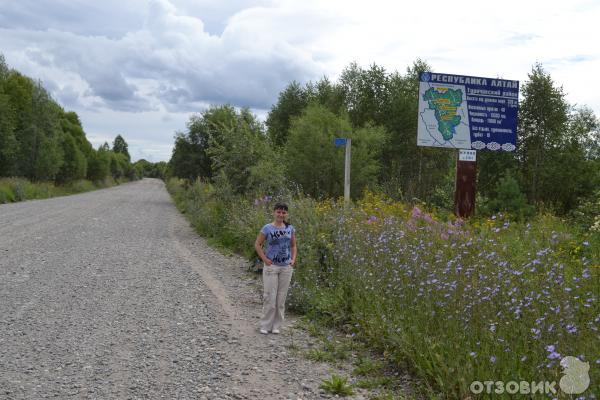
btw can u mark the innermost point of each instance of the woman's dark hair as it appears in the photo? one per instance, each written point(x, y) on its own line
point(281, 206)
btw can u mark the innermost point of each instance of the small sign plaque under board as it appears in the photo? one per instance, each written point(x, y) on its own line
point(467, 155)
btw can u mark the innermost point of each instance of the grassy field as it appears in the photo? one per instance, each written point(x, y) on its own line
point(20, 189)
point(451, 301)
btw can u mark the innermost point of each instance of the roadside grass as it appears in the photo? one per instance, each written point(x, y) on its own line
point(374, 382)
point(20, 189)
point(450, 301)
point(365, 366)
point(337, 385)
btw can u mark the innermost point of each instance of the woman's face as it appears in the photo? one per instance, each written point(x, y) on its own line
point(280, 214)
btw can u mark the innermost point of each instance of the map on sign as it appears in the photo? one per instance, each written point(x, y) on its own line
point(443, 116)
point(466, 112)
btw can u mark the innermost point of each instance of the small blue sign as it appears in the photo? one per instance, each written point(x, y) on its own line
point(340, 142)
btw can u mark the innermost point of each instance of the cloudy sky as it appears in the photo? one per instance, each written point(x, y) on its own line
point(140, 68)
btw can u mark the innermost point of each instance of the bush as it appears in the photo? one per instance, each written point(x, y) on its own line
point(510, 199)
point(587, 214)
point(6, 194)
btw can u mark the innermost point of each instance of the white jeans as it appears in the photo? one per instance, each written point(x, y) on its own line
point(276, 281)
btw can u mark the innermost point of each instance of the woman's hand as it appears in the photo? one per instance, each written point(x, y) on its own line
point(292, 262)
point(267, 261)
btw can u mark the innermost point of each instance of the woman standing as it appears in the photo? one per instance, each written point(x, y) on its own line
point(279, 260)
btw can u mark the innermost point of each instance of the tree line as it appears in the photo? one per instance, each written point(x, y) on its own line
point(556, 166)
point(41, 141)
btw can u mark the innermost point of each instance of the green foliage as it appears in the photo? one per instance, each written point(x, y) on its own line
point(291, 103)
point(146, 169)
point(320, 355)
point(267, 175)
point(8, 141)
point(318, 166)
point(587, 214)
point(6, 194)
point(510, 199)
point(237, 148)
point(543, 117)
point(312, 160)
point(337, 385)
point(120, 146)
point(120, 166)
point(21, 189)
point(231, 149)
point(366, 366)
point(74, 165)
point(366, 94)
point(374, 382)
point(99, 165)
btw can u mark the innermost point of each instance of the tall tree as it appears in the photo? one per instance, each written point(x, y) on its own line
point(120, 146)
point(190, 158)
point(366, 94)
point(8, 141)
point(292, 101)
point(543, 118)
point(99, 164)
point(240, 145)
point(327, 94)
point(74, 165)
point(318, 166)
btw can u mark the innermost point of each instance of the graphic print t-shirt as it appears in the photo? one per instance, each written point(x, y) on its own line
point(278, 243)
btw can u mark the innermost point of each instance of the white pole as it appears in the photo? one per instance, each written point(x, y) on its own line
point(347, 171)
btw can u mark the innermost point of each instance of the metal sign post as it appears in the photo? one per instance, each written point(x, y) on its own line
point(347, 171)
point(348, 143)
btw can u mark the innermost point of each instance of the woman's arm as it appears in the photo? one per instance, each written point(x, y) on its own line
point(259, 249)
point(294, 249)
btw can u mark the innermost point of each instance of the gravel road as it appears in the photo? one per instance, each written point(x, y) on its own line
point(111, 295)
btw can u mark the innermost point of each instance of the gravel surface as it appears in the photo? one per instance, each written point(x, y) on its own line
point(111, 295)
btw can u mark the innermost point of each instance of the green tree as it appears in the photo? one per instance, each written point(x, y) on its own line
point(190, 158)
point(71, 124)
point(366, 94)
point(318, 166)
point(237, 150)
point(74, 164)
point(508, 197)
point(291, 102)
point(327, 94)
point(8, 141)
point(575, 163)
point(543, 118)
point(120, 146)
point(99, 164)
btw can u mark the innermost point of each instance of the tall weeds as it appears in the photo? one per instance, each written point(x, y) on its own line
point(451, 300)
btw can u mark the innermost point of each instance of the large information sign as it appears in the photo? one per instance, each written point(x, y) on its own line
point(467, 112)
